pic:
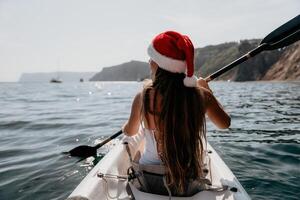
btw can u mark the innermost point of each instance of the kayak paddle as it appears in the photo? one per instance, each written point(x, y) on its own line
point(283, 36)
point(85, 151)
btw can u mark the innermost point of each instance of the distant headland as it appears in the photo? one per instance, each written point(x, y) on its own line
point(63, 76)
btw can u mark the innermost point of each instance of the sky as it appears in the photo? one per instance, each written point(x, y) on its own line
point(87, 35)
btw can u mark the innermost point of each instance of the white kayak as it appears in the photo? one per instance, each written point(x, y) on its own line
point(107, 180)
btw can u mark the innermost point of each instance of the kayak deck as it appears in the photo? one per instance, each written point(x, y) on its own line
point(116, 162)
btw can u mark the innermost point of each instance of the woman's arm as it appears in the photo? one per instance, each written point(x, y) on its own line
point(131, 127)
point(214, 109)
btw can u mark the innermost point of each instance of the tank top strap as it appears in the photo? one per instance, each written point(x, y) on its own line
point(142, 124)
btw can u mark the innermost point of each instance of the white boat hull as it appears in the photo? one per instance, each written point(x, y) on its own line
point(116, 162)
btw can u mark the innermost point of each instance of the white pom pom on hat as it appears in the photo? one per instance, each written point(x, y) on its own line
point(174, 52)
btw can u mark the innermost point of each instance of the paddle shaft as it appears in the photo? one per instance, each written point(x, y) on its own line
point(108, 139)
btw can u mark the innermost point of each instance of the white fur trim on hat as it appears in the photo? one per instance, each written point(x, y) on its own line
point(190, 81)
point(166, 63)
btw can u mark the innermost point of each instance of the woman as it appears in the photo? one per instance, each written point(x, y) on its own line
point(172, 111)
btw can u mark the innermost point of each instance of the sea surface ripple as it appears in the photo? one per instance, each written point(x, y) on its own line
point(39, 121)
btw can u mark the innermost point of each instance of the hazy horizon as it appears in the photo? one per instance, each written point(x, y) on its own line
point(80, 36)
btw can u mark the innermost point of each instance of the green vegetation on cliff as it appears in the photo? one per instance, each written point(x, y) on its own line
point(211, 58)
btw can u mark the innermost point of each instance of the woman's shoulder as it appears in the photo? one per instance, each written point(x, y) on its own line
point(138, 97)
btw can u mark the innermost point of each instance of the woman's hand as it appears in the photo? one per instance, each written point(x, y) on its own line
point(202, 83)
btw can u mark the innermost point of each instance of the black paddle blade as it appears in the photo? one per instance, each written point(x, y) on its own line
point(285, 42)
point(87, 151)
point(284, 35)
point(83, 151)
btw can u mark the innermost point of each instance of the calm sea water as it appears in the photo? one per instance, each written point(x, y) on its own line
point(39, 121)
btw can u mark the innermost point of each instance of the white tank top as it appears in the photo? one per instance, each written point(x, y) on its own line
point(149, 155)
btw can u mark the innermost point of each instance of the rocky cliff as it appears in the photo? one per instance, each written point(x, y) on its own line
point(210, 59)
point(288, 65)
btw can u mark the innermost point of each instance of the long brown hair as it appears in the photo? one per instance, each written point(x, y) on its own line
point(179, 117)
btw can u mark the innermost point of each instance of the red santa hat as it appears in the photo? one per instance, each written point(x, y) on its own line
point(174, 52)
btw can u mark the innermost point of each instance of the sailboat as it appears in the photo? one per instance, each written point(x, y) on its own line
point(57, 79)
